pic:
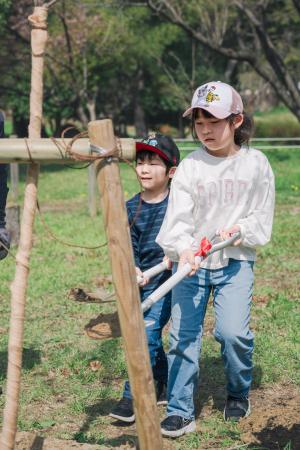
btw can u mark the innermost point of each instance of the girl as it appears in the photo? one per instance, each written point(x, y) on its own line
point(228, 187)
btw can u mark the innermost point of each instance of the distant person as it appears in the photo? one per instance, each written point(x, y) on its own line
point(229, 187)
point(156, 161)
point(4, 234)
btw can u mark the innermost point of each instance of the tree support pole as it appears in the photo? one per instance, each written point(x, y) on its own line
point(126, 288)
point(39, 36)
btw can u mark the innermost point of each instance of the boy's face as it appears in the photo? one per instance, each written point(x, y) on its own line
point(152, 172)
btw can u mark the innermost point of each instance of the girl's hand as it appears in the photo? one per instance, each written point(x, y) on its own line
point(168, 262)
point(226, 234)
point(187, 256)
point(139, 273)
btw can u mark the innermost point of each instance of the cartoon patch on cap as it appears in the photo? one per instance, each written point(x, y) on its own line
point(206, 94)
point(152, 142)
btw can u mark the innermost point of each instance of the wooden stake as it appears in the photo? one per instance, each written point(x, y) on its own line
point(52, 150)
point(15, 345)
point(128, 298)
point(92, 191)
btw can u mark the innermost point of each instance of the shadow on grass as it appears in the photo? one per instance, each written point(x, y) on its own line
point(278, 437)
point(38, 443)
point(212, 384)
point(30, 358)
point(103, 408)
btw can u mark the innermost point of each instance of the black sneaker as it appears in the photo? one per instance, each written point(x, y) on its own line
point(175, 426)
point(123, 410)
point(236, 408)
point(161, 393)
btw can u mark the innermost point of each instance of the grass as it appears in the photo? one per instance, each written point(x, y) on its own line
point(279, 122)
point(70, 382)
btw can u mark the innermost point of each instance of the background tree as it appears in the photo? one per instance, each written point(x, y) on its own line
point(262, 34)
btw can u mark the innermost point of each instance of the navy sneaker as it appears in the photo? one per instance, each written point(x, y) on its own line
point(123, 411)
point(175, 426)
point(236, 408)
point(161, 393)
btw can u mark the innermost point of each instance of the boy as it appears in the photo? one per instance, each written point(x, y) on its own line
point(4, 235)
point(156, 160)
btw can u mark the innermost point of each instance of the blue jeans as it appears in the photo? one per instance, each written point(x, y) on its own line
point(232, 294)
point(155, 319)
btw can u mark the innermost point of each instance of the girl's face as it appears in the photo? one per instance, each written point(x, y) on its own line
point(217, 135)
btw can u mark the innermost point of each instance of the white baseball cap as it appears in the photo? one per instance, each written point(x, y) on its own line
point(218, 98)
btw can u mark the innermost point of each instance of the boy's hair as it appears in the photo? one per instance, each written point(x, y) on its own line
point(242, 135)
point(143, 154)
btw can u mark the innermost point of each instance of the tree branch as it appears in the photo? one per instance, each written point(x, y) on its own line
point(297, 5)
point(174, 16)
point(51, 3)
point(276, 73)
point(272, 56)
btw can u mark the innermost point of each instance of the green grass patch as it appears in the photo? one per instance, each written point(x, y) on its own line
point(62, 394)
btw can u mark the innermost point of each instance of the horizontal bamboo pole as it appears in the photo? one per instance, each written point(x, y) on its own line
point(53, 151)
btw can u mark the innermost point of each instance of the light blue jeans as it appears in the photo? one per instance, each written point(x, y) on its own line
point(155, 319)
point(232, 288)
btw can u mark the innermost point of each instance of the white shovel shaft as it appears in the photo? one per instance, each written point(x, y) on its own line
point(168, 285)
point(155, 270)
point(183, 272)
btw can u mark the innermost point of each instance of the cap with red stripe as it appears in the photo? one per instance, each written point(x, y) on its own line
point(162, 145)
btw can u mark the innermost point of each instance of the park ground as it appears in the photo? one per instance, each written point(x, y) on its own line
point(71, 382)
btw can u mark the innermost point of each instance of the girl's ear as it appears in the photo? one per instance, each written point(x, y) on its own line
point(238, 120)
point(172, 171)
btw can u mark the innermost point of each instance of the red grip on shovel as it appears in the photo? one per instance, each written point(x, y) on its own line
point(205, 246)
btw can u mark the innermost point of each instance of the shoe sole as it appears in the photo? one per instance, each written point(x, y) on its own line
point(129, 419)
point(237, 419)
point(162, 402)
point(176, 433)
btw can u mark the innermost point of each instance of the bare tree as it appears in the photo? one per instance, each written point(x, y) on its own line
point(253, 40)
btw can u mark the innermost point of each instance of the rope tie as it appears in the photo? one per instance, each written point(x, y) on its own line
point(64, 150)
point(38, 20)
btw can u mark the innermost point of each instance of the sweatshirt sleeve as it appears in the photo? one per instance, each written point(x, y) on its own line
point(256, 227)
point(176, 233)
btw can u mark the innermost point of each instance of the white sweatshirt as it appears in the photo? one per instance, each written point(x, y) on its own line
point(210, 193)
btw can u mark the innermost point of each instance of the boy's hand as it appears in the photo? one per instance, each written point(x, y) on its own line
point(187, 256)
point(139, 273)
point(168, 262)
point(5, 239)
point(226, 234)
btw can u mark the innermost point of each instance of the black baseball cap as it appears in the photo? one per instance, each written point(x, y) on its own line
point(162, 145)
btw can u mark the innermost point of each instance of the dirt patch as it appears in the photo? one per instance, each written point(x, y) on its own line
point(32, 441)
point(274, 423)
point(275, 418)
point(105, 326)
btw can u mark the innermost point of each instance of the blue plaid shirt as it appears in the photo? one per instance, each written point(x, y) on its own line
point(145, 220)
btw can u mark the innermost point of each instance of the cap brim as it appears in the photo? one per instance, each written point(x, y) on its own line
point(214, 111)
point(139, 146)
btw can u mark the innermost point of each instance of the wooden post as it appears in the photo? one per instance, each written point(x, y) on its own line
point(39, 36)
point(13, 209)
point(14, 182)
point(128, 298)
point(53, 150)
point(92, 190)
